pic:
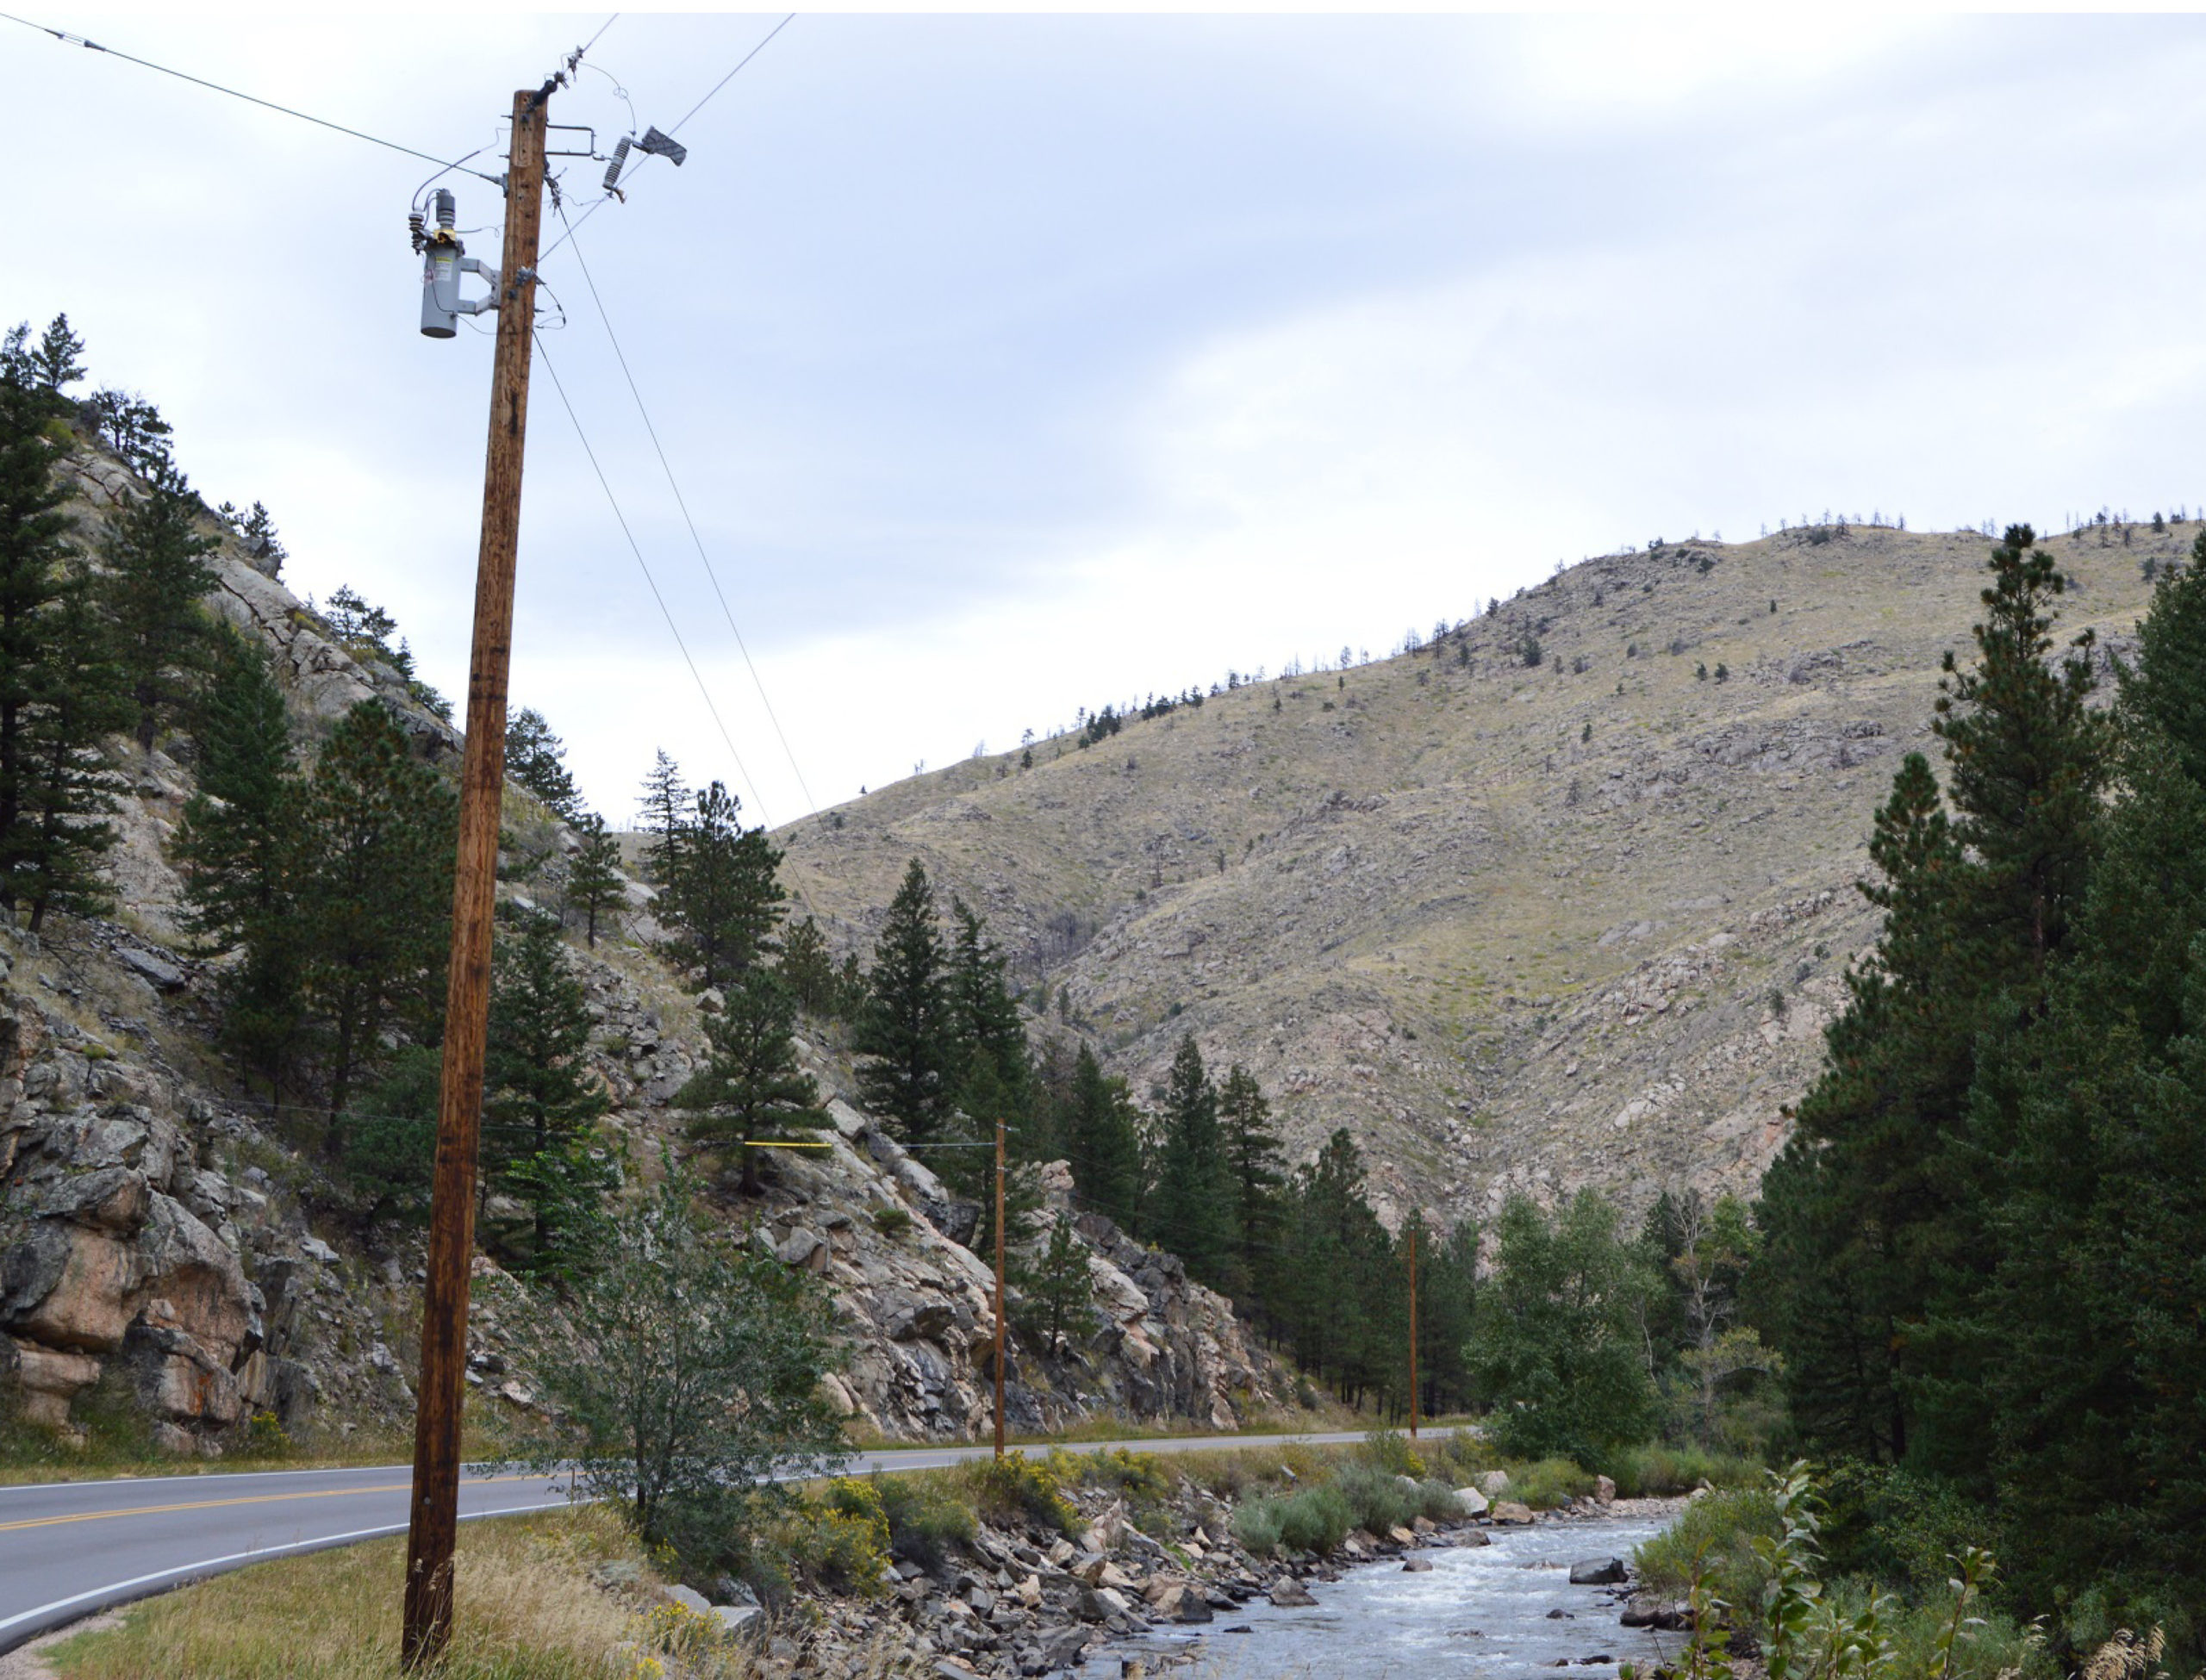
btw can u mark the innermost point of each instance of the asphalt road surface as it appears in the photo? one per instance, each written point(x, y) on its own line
point(68, 1549)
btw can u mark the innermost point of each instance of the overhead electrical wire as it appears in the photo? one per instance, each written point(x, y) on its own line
point(644, 566)
point(677, 128)
point(689, 519)
point(251, 99)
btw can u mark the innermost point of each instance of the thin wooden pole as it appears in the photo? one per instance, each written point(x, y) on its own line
point(1413, 1330)
point(999, 1288)
point(433, 1528)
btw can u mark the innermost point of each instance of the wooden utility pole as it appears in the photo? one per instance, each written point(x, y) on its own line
point(999, 1288)
point(435, 1517)
point(1412, 1329)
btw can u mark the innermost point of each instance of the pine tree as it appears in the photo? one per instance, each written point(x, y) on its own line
point(33, 545)
point(752, 1086)
point(1875, 1212)
point(54, 365)
point(76, 703)
point(807, 969)
point(540, 1101)
point(985, 1021)
point(1193, 1209)
point(377, 835)
point(237, 847)
point(156, 575)
point(1061, 1290)
point(906, 1032)
point(595, 884)
point(1102, 1143)
point(536, 759)
point(723, 897)
point(1252, 1148)
point(665, 809)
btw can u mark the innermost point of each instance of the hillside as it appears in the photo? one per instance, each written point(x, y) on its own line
point(1517, 925)
point(172, 1248)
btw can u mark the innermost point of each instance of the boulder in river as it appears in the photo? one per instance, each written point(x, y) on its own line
point(1473, 1502)
point(1596, 1572)
point(1291, 1595)
point(1511, 1513)
point(1645, 1610)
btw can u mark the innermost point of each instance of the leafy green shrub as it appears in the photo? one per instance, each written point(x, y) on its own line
point(1548, 1483)
point(1015, 1488)
point(1391, 1451)
point(1435, 1501)
point(925, 1520)
point(1140, 1478)
point(1714, 1540)
point(1257, 1526)
point(1641, 1471)
point(891, 1222)
point(1895, 1527)
point(1375, 1497)
point(1315, 1519)
point(1462, 1456)
point(843, 1539)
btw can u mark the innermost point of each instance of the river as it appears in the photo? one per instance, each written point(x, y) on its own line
point(1483, 1611)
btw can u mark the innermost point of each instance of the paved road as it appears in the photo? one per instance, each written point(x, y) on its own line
point(70, 1548)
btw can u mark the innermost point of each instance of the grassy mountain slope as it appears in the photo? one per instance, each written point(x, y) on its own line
point(1517, 925)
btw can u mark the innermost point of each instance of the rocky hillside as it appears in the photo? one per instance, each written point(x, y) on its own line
point(167, 1244)
point(1516, 925)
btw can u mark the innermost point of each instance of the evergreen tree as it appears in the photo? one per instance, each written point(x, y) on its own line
point(76, 703)
point(1102, 1142)
point(906, 1032)
point(665, 809)
point(994, 1067)
point(1252, 1149)
point(807, 969)
point(723, 898)
point(1875, 1211)
point(377, 835)
point(751, 1085)
point(54, 365)
point(540, 1101)
point(595, 884)
point(157, 574)
point(2167, 691)
point(33, 545)
point(237, 848)
point(1337, 1262)
point(536, 759)
point(1193, 1210)
point(1061, 1291)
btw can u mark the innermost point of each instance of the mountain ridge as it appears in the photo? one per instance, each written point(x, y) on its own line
point(1520, 926)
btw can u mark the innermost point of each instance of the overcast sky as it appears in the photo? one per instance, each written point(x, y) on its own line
point(1010, 364)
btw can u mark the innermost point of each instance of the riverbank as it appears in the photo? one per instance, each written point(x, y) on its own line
point(1025, 1569)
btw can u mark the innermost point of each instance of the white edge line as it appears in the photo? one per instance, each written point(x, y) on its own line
point(145, 1586)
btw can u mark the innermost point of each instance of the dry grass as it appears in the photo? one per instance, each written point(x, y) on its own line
point(527, 1610)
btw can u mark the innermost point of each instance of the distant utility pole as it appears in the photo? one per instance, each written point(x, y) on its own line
point(999, 1287)
point(1412, 1233)
point(433, 1528)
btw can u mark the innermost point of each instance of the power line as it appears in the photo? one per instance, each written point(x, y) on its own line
point(642, 565)
point(63, 35)
point(677, 128)
point(681, 502)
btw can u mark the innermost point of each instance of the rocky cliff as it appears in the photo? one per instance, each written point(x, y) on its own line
point(170, 1247)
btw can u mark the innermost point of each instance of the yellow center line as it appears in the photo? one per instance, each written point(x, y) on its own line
point(243, 1499)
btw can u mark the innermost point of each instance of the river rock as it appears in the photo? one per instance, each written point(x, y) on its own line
point(1417, 1566)
point(1494, 1482)
point(1291, 1595)
point(1645, 1610)
point(1474, 1503)
point(1596, 1572)
point(1509, 1513)
point(1604, 1489)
